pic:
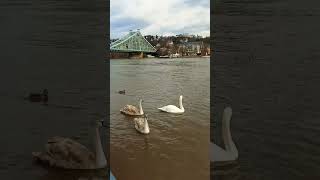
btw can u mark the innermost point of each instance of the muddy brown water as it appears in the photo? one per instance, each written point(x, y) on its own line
point(177, 146)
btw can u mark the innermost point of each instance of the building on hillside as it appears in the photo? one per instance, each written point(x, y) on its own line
point(186, 35)
point(191, 48)
point(169, 43)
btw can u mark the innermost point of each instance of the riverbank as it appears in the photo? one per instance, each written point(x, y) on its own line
point(163, 57)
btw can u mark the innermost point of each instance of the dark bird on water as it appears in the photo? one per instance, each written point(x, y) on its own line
point(39, 97)
point(122, 92)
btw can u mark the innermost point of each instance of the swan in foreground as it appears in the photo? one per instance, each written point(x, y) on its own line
point(172, 108)
point(69, 154)
point(230, 153)
point(141, 124)
point(132, 110)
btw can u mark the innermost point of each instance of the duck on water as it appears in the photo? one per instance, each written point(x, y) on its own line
point(38, 97)
point(122, 92)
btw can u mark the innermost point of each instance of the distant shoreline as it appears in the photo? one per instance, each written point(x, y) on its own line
point(164, 57)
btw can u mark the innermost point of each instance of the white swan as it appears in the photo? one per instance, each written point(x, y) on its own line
point(172, 108)
point(132, 110)
point(69, 154)
point(141, 124)
point(217, 154)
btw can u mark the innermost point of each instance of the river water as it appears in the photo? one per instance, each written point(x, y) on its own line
point(177, 146)
point(266, 66)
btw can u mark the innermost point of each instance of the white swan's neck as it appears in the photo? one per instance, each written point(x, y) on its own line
point(226, 134)
point(101, 161)
point(140, 106)
point(180, 103)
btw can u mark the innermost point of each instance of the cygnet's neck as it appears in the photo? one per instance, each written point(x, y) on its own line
point(140, 106)
point(146, 125)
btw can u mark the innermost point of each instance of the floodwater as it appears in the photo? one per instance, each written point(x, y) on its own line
point(177, 146)
point(58, 45)
point(266, 67)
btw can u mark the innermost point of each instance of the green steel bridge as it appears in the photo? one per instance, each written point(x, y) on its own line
point(133, 42)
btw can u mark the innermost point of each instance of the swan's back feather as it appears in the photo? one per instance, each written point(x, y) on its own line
point(130, 110)
point(66, 153)
point(139, 122)
point(139, 125)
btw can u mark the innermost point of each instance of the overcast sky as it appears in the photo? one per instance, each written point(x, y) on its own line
point(160, 17)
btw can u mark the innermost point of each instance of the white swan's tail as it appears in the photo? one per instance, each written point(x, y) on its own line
point(162, 109)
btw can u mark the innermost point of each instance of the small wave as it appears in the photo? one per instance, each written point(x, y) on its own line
point(66, 106)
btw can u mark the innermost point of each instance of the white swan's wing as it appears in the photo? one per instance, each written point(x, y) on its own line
point(170, 109)
point(217, 154)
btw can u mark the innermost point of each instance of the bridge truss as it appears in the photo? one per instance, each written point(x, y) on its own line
point(132, 42)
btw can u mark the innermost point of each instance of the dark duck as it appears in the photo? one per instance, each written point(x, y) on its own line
point(122, 92)
point(39, 97)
